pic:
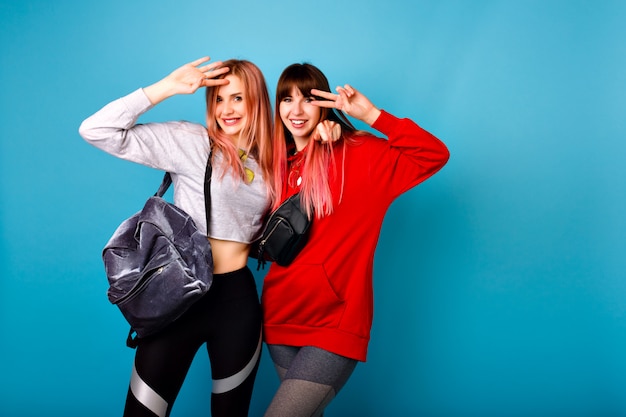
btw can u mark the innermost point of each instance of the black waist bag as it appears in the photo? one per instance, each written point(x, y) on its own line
point(286, 232)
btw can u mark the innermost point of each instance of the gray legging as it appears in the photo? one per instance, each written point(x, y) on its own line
point(310, 378)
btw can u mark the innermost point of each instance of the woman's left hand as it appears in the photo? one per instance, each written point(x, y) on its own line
point(349, 101)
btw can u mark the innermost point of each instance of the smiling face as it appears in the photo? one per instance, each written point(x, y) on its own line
point(230, 108)
point(298, 115)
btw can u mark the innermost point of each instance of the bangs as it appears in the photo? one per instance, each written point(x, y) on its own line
point(301, 77)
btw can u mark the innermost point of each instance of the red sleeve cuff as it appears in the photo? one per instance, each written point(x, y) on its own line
point(385, 123)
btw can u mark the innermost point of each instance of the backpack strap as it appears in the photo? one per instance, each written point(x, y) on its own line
point(207, 192)
point(167, 181)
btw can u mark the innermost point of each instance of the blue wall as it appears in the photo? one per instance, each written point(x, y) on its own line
point(499, 282)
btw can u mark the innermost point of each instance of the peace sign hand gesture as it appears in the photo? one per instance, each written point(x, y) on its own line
point(349, 101)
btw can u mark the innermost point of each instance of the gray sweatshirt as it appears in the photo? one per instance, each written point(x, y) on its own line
point(182, 148)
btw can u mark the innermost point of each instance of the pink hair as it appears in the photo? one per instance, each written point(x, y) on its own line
point(319, 159)
point(258, 132)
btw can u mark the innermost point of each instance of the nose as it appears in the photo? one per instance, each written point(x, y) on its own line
point(227, 108)
point(297, 107)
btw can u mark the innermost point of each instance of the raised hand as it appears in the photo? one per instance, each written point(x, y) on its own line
point(350, 101)
point(187, 79)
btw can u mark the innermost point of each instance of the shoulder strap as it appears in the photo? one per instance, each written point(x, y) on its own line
point(207, 192)
point(167, 181)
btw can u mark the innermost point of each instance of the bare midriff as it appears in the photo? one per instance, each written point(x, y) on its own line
point(228, 256)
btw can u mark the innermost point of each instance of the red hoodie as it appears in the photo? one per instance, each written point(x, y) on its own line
point(325, 297)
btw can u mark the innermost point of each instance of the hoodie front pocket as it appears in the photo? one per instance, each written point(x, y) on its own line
point(302, 296)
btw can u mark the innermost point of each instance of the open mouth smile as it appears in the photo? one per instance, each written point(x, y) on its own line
point(230, 122)
point(298, 122)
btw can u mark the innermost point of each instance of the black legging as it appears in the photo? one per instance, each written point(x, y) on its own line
point(228, 319)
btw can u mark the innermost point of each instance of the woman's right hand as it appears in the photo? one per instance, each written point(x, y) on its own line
point(187, 79)
point(350, 101)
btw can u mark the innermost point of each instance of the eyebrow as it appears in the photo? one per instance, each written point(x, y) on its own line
point(231, 95)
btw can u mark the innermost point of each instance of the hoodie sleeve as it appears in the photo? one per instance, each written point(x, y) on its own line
point(413, 154)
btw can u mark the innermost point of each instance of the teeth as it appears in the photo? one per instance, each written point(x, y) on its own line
point(297, 122)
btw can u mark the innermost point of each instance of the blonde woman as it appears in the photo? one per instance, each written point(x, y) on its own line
point(238, 136)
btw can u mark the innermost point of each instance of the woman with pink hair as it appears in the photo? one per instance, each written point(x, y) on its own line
point(317, 311)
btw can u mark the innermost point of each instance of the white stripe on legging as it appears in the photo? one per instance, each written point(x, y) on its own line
point(223, 385)
point(146, 395)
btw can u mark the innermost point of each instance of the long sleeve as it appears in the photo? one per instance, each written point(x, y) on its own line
point(114, 129)
point(413, 156)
